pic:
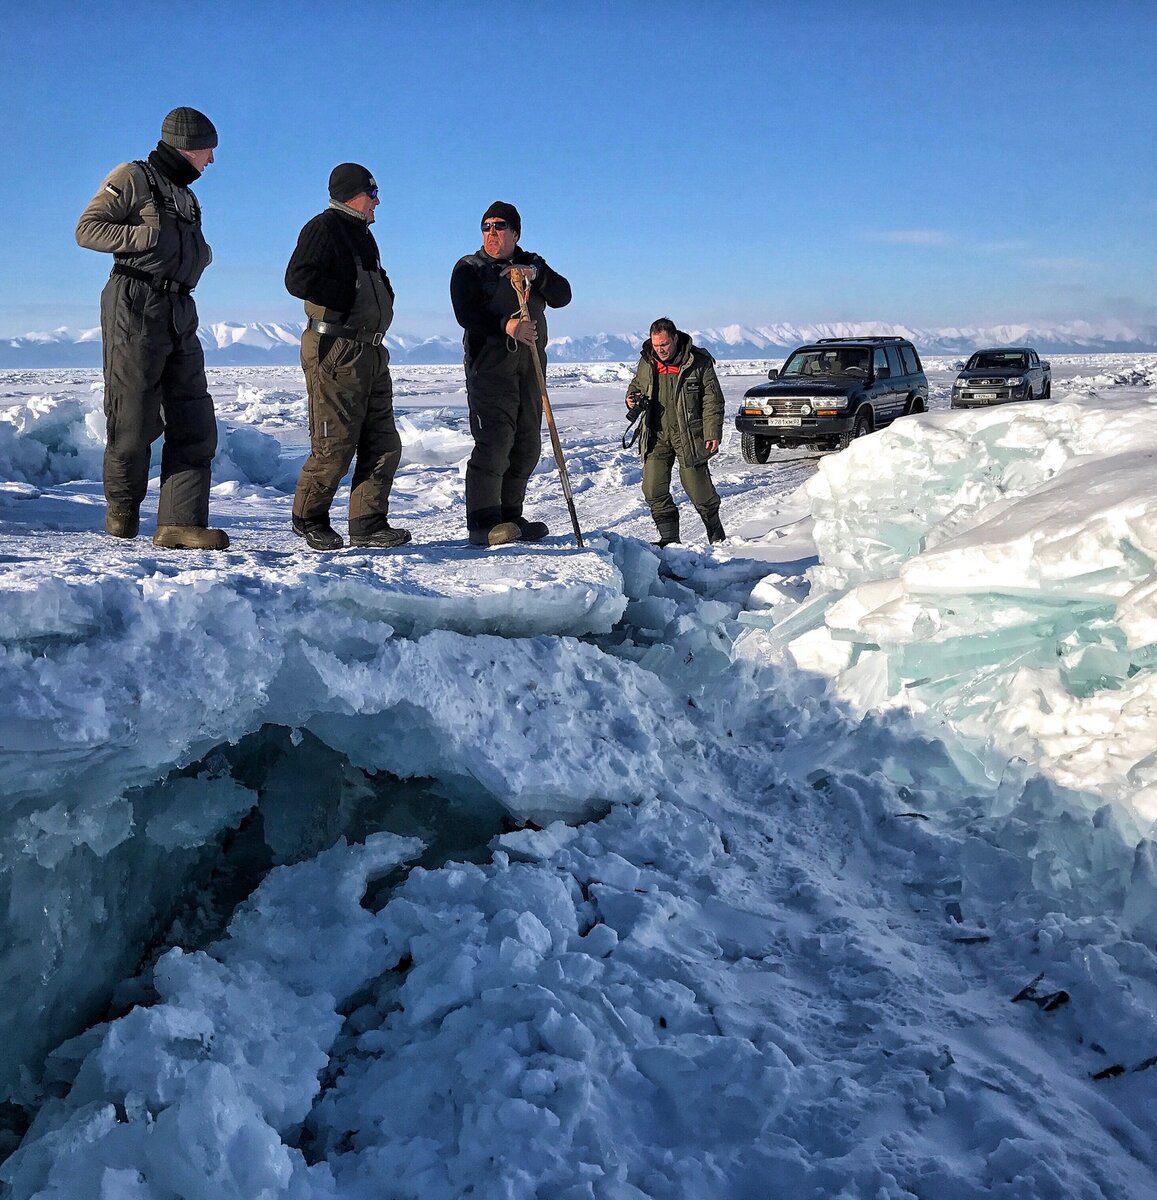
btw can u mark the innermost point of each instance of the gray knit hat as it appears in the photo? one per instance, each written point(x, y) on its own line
point(188, 129)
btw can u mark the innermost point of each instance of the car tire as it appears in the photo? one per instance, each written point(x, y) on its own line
point(915, 405)
point(755, 449)
point(861, 427)
point(1047, 391)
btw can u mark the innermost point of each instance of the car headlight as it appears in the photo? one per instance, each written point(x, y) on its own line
point(1015, 382)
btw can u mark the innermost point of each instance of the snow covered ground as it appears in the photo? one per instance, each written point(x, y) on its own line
point(813, 865)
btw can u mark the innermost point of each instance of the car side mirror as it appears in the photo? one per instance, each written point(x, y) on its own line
point(773, 374)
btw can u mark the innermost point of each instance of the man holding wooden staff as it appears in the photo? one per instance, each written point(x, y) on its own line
point(503, 381)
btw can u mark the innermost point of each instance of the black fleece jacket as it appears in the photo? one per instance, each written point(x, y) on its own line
point(484, 298)
point(323, 268)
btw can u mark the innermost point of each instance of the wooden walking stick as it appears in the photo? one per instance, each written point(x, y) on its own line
point(521, 286)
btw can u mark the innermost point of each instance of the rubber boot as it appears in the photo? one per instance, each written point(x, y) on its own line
point(190, 537)
point(122, 520)
point(715, 531)
point(497, 535)
point(531, 531)
point(668, 535)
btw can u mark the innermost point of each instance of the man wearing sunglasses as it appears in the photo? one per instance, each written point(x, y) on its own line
point(501, 382)
point(349, 301)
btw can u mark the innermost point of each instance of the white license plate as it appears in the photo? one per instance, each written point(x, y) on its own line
point(782, 422)
point(984, 395)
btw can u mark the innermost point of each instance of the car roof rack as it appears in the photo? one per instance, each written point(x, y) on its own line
point(873, 338)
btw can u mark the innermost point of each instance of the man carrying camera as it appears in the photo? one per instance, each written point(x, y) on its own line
point(683, 423)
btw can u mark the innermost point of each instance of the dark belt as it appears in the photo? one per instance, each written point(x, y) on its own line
point(330, 329)
point(157, 282)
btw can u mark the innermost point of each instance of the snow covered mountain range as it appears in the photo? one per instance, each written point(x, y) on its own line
point(265, 344)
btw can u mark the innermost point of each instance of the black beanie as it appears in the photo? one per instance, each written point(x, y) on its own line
point(188, 129)
point(507, 212)
point(348, 180)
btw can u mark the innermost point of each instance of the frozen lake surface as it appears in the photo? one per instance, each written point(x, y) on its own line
point(818, 863)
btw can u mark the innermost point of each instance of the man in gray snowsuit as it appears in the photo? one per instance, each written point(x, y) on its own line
point(146, 217)
point(683, 422)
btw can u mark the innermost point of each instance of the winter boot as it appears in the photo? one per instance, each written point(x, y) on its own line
point(190, 537)
point(497, 535)
point(319, 535)
point(715, 531)
point(668, 535)
point(531, 531)
point(122, 520)
point(383, 538)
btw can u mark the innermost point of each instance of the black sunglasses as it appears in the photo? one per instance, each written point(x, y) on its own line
point(487, 226)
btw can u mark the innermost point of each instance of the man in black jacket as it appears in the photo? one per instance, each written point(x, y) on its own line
point(501, 382)
point(337, 271)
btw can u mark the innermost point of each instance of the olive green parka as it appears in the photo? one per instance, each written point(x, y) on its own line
point(697, 403)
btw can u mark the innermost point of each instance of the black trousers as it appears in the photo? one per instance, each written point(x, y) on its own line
point(154, 385)
point(506, 421)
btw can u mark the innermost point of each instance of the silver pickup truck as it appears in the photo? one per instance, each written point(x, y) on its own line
point(999, 375)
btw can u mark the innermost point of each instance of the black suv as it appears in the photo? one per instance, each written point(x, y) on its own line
point(831, 391)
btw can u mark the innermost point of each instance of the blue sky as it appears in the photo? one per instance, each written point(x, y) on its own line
point(925, 163)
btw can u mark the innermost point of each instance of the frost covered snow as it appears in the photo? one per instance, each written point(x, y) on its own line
point(817, 864)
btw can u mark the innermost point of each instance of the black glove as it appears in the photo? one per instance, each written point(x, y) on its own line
point(538, 264)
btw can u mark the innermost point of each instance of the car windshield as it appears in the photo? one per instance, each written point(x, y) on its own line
point(813, 363)
point(996, 360)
